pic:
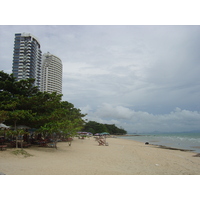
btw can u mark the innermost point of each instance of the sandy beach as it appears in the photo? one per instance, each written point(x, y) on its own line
point(85, 157)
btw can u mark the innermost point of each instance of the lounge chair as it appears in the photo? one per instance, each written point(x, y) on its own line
point(102, 142)
point(3, 147)
point(42, 143)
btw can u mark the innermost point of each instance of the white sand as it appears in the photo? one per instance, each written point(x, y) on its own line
point(85, 157)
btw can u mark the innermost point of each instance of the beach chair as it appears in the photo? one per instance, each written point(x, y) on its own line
point(42, 143)
point(50, 145)
point(13, 144)
point(102, 142)
point(3, 147)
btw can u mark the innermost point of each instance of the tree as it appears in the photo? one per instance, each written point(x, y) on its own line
point(95, 127)
point(43, 104)
point(13, 94)
point(3, 115)
point(17, 115)
point(22, 103)
point(9, 87)
point(113, 129)
point(65, 121)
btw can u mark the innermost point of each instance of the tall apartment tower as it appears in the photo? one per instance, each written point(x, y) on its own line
point(27, 58)
point(51, 74)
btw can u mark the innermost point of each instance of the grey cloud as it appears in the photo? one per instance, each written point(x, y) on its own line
point(176, 120)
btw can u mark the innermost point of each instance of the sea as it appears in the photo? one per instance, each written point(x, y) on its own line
point(185, 141)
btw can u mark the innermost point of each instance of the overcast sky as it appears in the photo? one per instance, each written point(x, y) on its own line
point(141, 78)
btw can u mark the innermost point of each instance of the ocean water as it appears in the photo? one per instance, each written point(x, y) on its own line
point(186, 141)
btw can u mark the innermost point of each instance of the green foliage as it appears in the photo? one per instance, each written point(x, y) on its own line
point(18, 115)
point(95, 127)
point(3, 115)
point(22, 103)
point(113, 129)
point(64, 121)
point(22, 152)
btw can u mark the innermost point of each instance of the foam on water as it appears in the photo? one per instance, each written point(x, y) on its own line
point(187, 141)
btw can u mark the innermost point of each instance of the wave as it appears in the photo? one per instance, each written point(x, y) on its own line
point(185, 141)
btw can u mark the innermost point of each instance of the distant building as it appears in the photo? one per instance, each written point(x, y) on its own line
point(51, 74)
point(27, 58)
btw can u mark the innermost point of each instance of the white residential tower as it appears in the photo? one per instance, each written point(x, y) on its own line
point(51, 74)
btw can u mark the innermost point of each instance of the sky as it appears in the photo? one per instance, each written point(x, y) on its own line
point(142, 78)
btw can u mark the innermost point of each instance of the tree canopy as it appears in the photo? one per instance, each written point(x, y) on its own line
point(22, 103)
point(95, 127)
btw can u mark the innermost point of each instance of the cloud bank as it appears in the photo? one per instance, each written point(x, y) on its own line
point(141, 78)
point(140, 121)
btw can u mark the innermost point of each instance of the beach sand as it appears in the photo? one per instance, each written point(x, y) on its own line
point(85, 157)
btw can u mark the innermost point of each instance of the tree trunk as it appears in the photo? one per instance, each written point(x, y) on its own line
point(15, 126)
point(21, 142)
point(55, 144)
point(54, 141)
point(16, 141)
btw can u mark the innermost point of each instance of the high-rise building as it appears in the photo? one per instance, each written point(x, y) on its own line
point(27, 58)
point(51, 74)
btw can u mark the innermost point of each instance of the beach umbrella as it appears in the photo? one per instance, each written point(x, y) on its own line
point(4, 126)
point(104, 133)
point(84, 133)
point(89, 133)
point(23, 127)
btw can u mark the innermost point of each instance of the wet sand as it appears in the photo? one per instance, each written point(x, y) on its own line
point(85, 157)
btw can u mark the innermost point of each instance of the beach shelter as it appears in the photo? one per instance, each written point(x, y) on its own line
point(23, 127)
point(104, 133)
point(4, 126)
point(84, 133)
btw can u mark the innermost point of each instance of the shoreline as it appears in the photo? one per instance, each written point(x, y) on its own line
point(163, 144)
point(172, 148)
point(85, 157)
point(166, 147)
